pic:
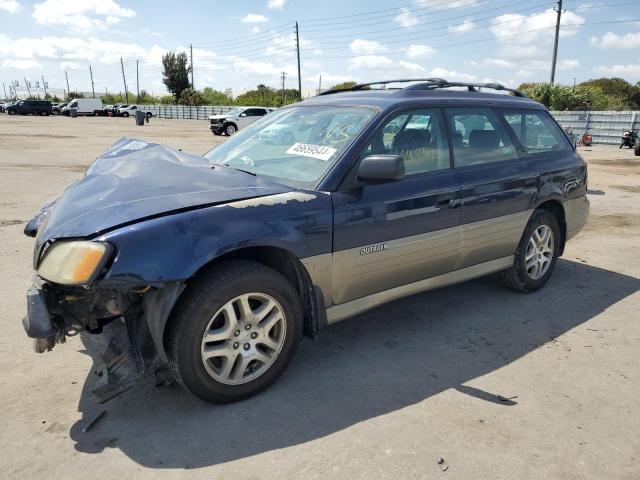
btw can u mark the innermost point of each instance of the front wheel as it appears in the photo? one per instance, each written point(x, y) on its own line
point(234, 331)
point(230, 129)
point(536, 255)
point(125, 114)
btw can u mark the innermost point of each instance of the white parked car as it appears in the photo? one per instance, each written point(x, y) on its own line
point(85, 106)
point(236, 119)
point(130, 110)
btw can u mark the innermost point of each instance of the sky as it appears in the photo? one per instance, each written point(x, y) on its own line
point(240, 44)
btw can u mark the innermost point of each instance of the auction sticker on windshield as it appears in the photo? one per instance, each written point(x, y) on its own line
point(314, 151)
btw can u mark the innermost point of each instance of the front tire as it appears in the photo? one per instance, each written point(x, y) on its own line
point(230, 129)
point(234, 331)
point(125, 114)
point(536, 255)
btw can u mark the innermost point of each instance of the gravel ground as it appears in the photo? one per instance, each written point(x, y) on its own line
point(409, 390)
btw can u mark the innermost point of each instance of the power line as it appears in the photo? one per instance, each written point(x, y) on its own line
point(486, 39)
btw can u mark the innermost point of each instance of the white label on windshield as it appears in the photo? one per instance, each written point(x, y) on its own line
point(314, 151)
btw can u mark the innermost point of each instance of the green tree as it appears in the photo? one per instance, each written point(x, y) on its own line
point(621, 95)
point(191, 97)
point(343, 86)
point(215, 97)
point(175, 73)
point(72, 95)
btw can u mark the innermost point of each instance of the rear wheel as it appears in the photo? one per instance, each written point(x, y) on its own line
point(125, 114)
point(234, 331)
point(636, 150)
point(44, 113)
point(536, 255)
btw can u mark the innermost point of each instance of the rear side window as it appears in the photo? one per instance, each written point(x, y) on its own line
point(478, 137)
point(418, 136)
point(536, 131)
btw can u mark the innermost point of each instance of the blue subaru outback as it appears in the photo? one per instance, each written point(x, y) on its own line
point(208, 270)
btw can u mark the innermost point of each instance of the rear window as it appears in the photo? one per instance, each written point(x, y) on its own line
point(536, 131)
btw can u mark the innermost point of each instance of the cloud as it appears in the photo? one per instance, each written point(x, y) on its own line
point(568, 64)
point(276, 4)
point(420, 51)
point(490, 63)
point(631, 70)
point(406, 19)
point(368, 62)
point(411, 67)
point(514, 25)
point(81, 16)
point(452, 75)
point(366, 47)
point(612, 40)
point(11, 6)
point(253, 18)
point(463, 27)
point(445, 4)
point(21, 64)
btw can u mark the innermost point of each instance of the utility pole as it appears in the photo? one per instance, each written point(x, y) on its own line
point(191, 56)
point(320, 85)
point(5, 91)
point(137, 82)
point(555, 42)
point(44, 85)
point(67, 77)
point(27, 85)
point(93, 90)
point(124, 80)
point(298, 50)
point(283, 75)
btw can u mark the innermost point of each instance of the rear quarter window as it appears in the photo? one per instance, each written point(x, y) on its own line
point(536, 131)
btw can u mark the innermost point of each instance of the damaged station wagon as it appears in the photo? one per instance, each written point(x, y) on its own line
point(209, 270)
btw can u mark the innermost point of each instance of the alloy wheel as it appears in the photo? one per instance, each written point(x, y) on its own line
point(243, 338)
point(539, 252)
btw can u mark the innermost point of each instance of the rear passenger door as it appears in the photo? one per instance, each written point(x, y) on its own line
point(498, 184)
point(395, 233)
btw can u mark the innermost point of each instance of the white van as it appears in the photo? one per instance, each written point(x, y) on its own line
point(85, 106)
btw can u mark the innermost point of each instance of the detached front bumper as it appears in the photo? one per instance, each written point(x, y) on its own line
point(120, 328)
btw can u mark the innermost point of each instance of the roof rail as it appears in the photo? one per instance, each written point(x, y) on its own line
point(428, 84)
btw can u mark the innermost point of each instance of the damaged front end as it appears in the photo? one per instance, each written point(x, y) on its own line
point(121, 329)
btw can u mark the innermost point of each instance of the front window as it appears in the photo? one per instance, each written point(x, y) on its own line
point(295, 146)
point(234, 112)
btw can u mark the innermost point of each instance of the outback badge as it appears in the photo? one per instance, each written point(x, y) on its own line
point(373, 249)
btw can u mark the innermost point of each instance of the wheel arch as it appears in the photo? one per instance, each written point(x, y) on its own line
point(284, 262)
point(555, 207)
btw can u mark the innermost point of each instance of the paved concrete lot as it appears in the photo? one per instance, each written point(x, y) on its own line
point(384, 395)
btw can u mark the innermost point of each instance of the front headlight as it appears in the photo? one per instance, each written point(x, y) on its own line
point(73, 262)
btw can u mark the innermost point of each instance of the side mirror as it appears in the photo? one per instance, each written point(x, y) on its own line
point(243, 114)
point(381, 168)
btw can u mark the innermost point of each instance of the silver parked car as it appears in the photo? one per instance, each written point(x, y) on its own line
point(230, 122)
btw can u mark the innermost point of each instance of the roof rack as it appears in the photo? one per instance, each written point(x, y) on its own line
point(428, 84)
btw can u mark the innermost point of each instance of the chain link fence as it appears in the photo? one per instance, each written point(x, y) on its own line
point(201, 112)
point(605, 127)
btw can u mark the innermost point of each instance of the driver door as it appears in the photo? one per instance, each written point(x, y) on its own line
point(399, 232)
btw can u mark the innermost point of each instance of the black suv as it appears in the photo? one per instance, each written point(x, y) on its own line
point(213, 267)
point(30, 107)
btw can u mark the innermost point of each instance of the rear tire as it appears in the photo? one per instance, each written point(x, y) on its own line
point(125, 114)
point(238, 364)
point(636, 150)
point(535, 258)
point(44, 113)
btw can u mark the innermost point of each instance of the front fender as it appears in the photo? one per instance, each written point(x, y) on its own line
point(173, 247)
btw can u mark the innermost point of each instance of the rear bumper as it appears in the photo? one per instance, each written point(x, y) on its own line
point(576, 214)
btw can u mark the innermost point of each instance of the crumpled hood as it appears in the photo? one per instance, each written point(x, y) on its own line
point(220, 116)
point(134, 180)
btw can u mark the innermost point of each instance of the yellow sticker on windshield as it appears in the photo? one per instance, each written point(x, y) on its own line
point(313, 151)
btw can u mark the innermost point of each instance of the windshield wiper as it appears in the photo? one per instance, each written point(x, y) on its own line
point(242, 170)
